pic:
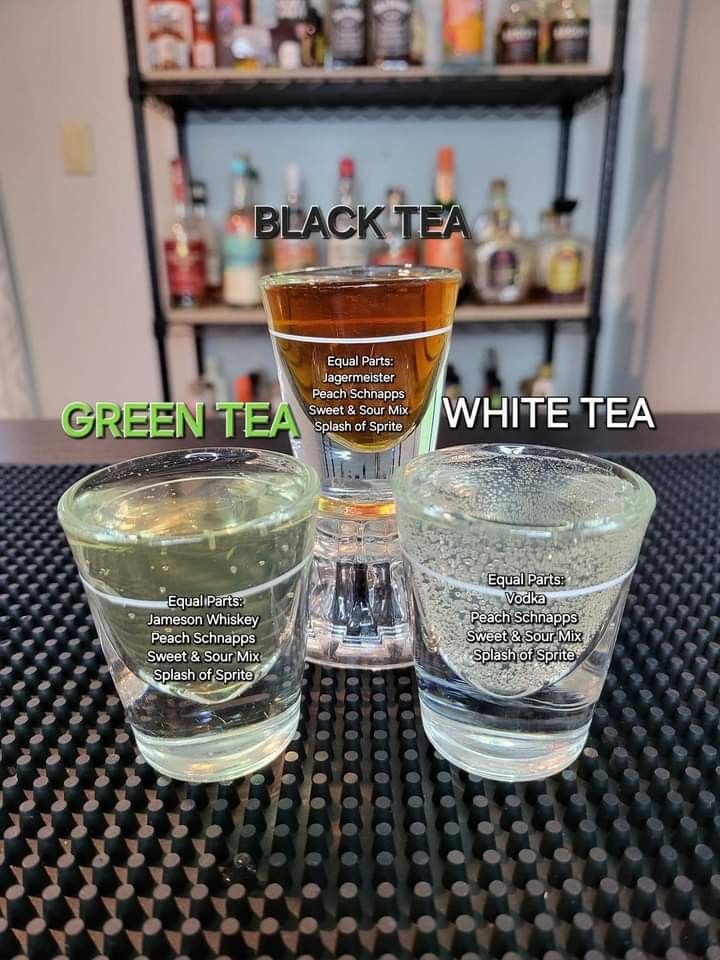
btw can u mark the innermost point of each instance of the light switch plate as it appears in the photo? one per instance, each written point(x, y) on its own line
point(78, 151)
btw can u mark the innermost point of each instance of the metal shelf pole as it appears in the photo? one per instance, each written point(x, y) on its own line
point(607, 177)
point(143, 161)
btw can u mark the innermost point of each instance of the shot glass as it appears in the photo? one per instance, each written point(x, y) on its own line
point(195, 565)
point(361, 359)
point(519, 559)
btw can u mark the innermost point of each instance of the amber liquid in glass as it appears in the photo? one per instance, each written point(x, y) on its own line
point(362, 359)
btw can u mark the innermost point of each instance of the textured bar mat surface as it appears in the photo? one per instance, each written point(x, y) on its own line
point(361, 841)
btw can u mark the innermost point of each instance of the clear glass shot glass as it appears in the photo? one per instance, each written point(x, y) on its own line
point(195, 567)
point(361, 355)
point(519, 559)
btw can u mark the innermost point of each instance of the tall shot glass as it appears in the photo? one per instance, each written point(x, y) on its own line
point(361, 358)
point(195, 566)
point(520, 558)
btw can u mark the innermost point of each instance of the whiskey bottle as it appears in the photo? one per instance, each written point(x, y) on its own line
point(484, 228)
point(391, 32)
point(203, 48)
point(213, 260)
point(463, 30)
point(170, 34)
point(518, 31)
point(350, 251)
point(503, 264)
point(346, 28)
point(294, 253)
point(394, 249)
point(569, 31)
point(445, 251)
point(563, 259)
point(184, 248)
point(241, 248)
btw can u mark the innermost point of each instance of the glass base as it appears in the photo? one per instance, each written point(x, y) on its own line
point(508, 756)
point(222, 756)
point(358, 601)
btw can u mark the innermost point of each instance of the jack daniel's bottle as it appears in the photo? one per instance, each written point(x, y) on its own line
point(518, 33)
point(391, 32)
point(347, 32)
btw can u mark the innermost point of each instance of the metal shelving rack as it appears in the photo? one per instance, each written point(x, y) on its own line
point(558, 88)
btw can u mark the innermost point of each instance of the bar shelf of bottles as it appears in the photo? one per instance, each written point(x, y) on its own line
point(532, 312)
point(491, 86)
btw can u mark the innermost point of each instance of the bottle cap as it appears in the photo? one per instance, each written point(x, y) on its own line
point(243, 388)
point(198, 191)
point(446, 159)
point(347, 167)
point(564, 206)
point(240, 167)
point(293, 178)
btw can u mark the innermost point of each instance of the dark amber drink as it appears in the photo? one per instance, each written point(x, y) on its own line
point(361, 357)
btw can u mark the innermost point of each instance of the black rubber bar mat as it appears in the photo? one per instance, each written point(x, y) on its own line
point(362, 841)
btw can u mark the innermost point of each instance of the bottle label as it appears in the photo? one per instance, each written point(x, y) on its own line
point(570, 41)
point(291, 9)
point(293, 254)
point(346, 253)
point(186, 268)
point(565, 271)
point(348, 30)
point(464, 28)
point(405, 255)
point(502, 270)
point(171, 35)
point(518, 43)
point(241, 250)
point(204, 55)
point(391, 29)
point(446, 252)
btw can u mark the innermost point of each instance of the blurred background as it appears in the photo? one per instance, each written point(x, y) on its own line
point(501, 106)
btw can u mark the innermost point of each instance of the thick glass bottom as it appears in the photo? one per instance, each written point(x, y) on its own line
point(226, 755)
point(511, 756)
point(357, 596)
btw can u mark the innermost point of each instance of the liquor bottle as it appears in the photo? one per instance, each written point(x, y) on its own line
point(484, 228)
point(563, 259)
point(543, 31)
point(453, 384)
point(203, 49)
point(346, 28)
point(213, 260)
point(503, 264)
point(170, 26)
point(312, 42)
point(569, 31)
point(493, 388)
point(518, 31)
point(184, 248)
point(217, 379)
point(241, 248)
point(391, 32)
point(449, 251)
point(394, 249)
point(288, 253)
point(463, 30)
point(352, 251)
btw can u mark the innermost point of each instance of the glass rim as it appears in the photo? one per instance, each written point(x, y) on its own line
point(636, 508)
point(382, 273)
point(73, 525)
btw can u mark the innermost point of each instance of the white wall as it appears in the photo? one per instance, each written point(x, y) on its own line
point(77, 242)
